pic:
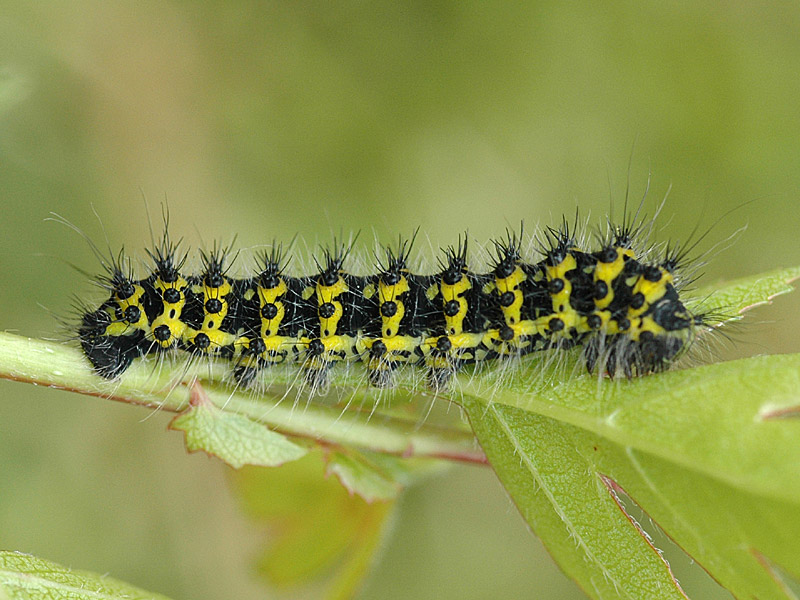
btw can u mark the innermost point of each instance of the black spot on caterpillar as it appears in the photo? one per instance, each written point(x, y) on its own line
point(615, 300)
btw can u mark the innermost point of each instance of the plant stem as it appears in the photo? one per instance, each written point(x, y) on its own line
point(60, 366)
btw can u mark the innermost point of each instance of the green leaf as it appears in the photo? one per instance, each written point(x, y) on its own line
point(375, 476)
point(714, 419)
point(711, 454)
point(234, 438)
point(733, 298)
point(360, 477)
point(749, 543)
point(320, 534)
point(25, 577)
point(564, 500)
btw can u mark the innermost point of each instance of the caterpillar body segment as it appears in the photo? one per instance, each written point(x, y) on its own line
point(458, 316)
point(396, 313)
point(273, 318)
point(212, 312)
point(165, 296)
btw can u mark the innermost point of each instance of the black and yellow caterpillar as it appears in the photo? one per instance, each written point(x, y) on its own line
point(624, 310)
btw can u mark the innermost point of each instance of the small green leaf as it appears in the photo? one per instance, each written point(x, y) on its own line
point(378, 476)
point(733, 298)
point(320, 533)
point(234, 438)
point(25, 577)
point(362, 478)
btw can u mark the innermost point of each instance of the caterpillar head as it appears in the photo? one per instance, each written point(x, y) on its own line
point(651, 345)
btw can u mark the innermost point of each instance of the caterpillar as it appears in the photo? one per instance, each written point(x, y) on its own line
point(622, 307)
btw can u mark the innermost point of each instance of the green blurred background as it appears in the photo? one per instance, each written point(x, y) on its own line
point(264, 119)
